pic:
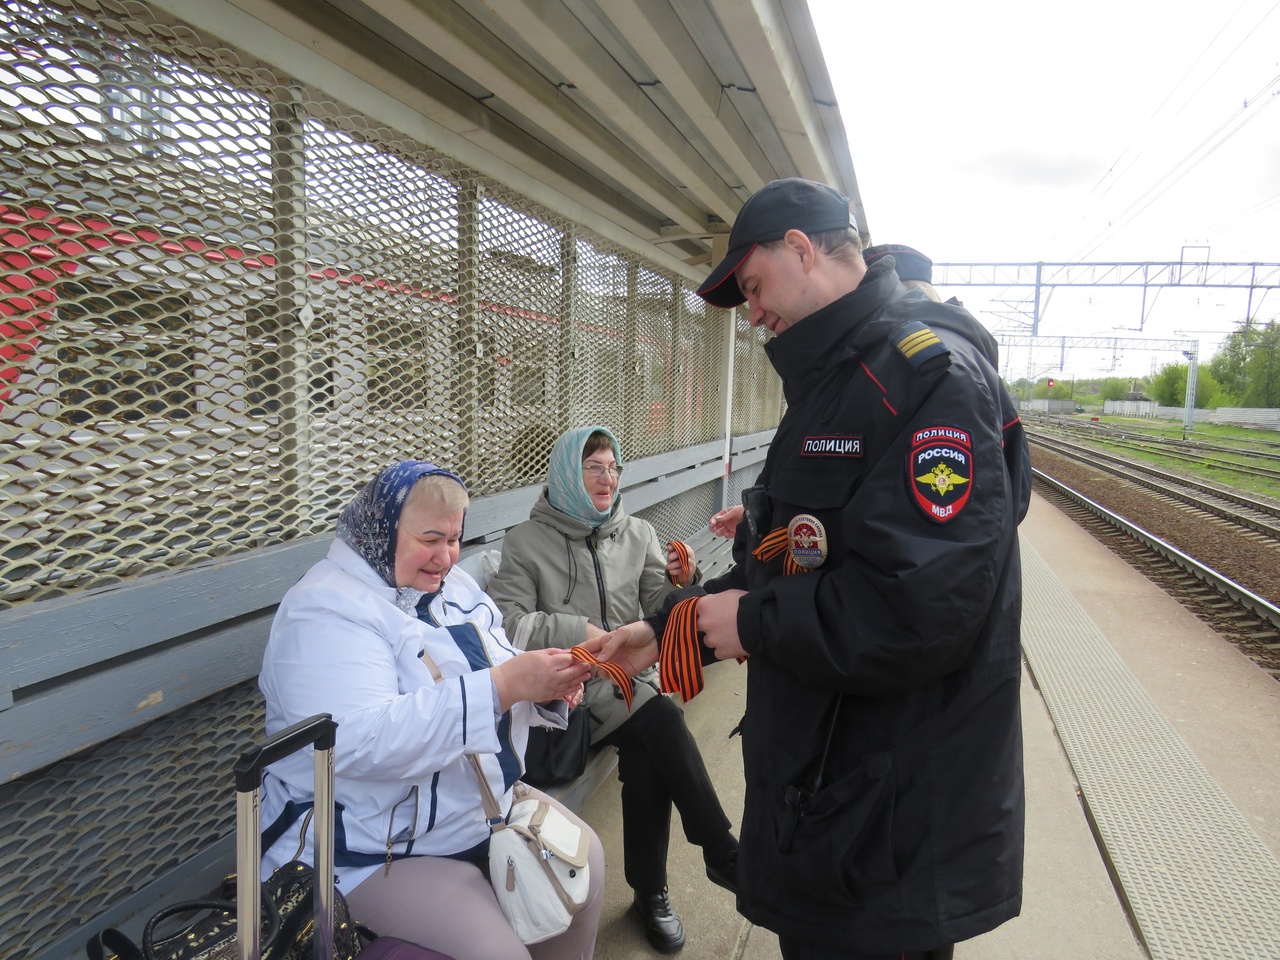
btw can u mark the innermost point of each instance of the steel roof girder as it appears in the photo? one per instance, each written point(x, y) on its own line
point(441, 28)
point(558, 35)
point(677, 63)
point(763, 43)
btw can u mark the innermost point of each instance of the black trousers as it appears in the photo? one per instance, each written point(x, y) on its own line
point(802, 950)
point(659, 765)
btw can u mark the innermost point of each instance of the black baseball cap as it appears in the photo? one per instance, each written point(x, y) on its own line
point(909, 262)
point(778, 206)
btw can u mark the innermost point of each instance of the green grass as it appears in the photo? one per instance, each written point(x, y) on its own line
point(1246, 483)
point(1200, 431)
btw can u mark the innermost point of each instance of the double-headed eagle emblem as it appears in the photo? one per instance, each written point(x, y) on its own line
point(943, 479)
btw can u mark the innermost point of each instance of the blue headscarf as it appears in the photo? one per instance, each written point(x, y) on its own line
point(566, 490)
point(370, 522)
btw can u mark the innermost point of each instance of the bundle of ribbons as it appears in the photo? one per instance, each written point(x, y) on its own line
point(680, 656)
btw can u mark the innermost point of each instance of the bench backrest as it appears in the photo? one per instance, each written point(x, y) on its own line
point(122, 711)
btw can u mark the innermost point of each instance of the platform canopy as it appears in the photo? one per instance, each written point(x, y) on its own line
point(655, 119)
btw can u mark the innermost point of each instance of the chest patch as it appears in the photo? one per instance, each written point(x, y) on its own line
point(941, 471)
point(842, 445)
point(807, 539)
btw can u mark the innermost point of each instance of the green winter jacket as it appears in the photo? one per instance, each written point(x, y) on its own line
point(558, 573)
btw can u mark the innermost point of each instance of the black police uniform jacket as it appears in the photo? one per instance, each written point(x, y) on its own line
point(898, 657)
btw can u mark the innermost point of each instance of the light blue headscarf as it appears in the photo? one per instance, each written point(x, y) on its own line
point(566, 490)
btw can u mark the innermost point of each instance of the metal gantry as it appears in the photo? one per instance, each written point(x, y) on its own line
point(1038, 276)
point(1188, 348)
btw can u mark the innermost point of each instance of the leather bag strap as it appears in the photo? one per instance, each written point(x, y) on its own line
point(491, 809)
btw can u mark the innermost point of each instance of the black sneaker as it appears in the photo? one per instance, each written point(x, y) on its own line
point(724, 873)
point(662, 927)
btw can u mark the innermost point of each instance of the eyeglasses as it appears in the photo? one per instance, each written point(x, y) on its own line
point(598, 470)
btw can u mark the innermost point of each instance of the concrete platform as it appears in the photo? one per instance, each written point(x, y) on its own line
point(1214, 701)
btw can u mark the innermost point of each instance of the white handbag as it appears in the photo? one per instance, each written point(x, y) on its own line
point(538, 865)
point(537, 858)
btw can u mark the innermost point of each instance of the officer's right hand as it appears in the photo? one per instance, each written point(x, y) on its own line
point(718, 623)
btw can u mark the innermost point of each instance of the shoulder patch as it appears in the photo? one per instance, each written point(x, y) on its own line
point(940, 471)
point(918, 344)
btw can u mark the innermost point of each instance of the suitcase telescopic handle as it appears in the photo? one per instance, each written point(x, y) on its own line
point(317, 731)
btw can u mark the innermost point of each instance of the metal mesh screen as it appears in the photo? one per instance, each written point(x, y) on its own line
point(683, 515)
point(739, 480)
point(757, 391)
point(225, 300)
point(169, 792)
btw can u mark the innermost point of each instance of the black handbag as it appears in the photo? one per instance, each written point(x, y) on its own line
point(286, 926)
point(286, 904)
point(558, 756)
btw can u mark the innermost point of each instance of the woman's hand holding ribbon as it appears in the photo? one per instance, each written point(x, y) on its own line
point(632, 646)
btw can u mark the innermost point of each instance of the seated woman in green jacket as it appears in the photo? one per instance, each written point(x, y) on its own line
point(580, 566)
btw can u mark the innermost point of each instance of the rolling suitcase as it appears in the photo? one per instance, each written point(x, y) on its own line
point(317, 731)
point(212, 938)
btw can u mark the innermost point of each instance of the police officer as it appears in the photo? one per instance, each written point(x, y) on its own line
point(913, 268)
point(876, 593)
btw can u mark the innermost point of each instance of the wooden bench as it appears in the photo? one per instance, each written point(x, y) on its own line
point(122, 709)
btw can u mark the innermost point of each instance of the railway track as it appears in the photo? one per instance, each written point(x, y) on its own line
point(1244, 617)
point(1255, 448)
point(1259, 518)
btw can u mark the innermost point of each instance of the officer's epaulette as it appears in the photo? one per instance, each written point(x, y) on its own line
point(918, 344)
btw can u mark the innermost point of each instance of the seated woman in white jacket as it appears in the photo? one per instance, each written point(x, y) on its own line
point(411, 835)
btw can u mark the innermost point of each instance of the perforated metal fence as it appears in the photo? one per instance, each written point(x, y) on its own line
point(105, 824)
point(757, 391)
point(739, 480)
point(226, 299)
point(681, 516)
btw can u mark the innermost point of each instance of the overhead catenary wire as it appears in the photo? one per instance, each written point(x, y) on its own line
point(1231, 221)
point(1205, 82)
point(1113, 178)
point(1190, 161)
point(1169, 96)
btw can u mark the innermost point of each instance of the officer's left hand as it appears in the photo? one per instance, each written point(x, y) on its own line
point(725, 523)
point(718, 622)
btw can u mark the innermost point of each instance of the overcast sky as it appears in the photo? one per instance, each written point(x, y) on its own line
point(1112, 131)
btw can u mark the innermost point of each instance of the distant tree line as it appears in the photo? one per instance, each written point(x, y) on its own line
point(1083, 392)
point(1245, 372)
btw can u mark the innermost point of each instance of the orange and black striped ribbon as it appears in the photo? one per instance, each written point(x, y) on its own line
point(680, 663)
point(611, 670)
point(685, 557)
point(774, 543)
